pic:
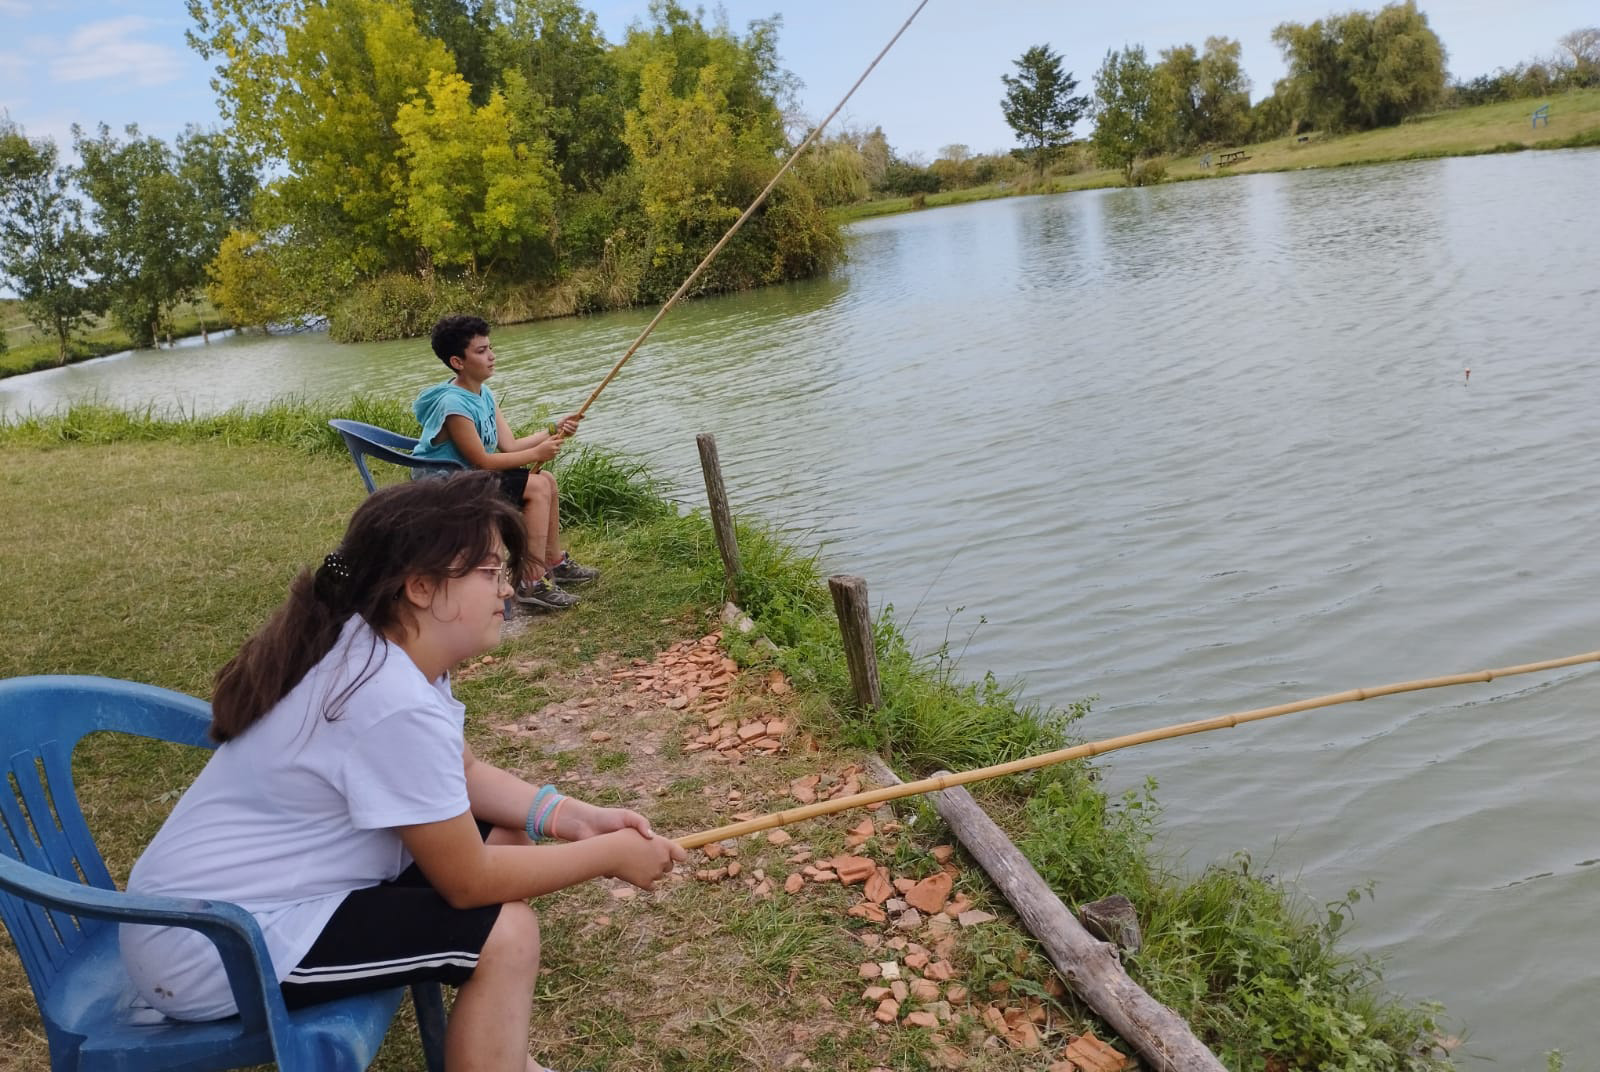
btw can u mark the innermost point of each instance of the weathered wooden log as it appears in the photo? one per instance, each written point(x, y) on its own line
point(855, 625)
point(1089, 966)
point(721, 518)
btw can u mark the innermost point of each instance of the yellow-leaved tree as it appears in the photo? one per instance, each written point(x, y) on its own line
point(473, 187)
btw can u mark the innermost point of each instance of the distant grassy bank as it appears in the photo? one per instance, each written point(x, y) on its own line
point(1490, 128)
point(28, 349)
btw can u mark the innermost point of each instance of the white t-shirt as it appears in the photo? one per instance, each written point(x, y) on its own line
point(297, 811)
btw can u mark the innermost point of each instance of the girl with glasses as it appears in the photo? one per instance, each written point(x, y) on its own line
point(346, 812)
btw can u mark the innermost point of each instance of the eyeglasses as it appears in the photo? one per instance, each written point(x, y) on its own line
point(501, 574)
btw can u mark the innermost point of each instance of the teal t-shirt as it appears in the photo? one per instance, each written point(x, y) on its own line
point(446, 399)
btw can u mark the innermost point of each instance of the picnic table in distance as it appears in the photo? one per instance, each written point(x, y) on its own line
point(1234, 157)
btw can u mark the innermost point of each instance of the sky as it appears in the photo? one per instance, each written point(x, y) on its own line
point(125, 61)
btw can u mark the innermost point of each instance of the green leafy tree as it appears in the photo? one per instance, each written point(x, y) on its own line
point(1130, 119)
point(161, 215)
point(474, 191)
point(1361, 70)
point(245, 282)
point(705, 136)
point(45, 249)
point(1039, 104)
point(466, 28)
point(1209, 94)
point(576, 92)
point(1224, 94)
point(683, 148)
point(247, 39)
point(1179, 70)
point(316, 86)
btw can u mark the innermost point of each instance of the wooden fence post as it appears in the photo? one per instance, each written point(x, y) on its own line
point(855, 625)
point(721, 519)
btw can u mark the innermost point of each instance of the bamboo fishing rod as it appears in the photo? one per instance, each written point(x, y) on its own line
point(705, 262)
point(1112, 744)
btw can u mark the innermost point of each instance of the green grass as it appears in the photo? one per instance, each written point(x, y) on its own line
point(29, 349)
point(148, 547)
point(1488, 128)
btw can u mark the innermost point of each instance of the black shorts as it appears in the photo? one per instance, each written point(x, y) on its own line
point(392, 934)
point(514, 485)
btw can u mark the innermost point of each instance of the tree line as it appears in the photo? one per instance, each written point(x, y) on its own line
point(128, 231)
point(482, 154)
point(1347, 72)
point(383, 160)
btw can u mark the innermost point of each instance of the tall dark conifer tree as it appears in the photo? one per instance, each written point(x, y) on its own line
point(1039, 104)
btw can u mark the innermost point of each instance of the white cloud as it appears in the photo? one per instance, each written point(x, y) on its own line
point(13, 7)
point(109, 49)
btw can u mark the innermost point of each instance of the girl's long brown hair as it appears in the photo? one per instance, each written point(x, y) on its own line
point(434, 528)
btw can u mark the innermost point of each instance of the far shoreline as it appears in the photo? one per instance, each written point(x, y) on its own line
point(1483, 130)
point(1479, 131)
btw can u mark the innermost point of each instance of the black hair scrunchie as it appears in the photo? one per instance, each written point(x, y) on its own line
point(331, 578)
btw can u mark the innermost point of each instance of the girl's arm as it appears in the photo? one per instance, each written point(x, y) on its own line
point(470, 874)
point(502, 799)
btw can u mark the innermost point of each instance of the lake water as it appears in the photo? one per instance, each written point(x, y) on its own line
point(1190, 450)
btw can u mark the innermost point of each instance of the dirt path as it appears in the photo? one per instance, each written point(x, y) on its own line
point(845, 942)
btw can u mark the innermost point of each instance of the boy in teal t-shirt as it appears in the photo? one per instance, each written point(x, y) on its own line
point(461, 423)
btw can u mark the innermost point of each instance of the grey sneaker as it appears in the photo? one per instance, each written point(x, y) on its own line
point(568, 573)
point(543, 595)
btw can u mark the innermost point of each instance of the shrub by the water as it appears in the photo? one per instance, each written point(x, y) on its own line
point(401, 305)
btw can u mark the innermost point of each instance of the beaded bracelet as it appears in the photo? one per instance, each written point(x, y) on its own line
point(541, 816)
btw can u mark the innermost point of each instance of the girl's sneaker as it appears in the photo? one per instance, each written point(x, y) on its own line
point(569, 573)
point(544, 595)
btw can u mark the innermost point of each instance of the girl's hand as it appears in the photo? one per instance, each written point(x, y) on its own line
point(568, 425)
point(579, 820)
point(640, 860)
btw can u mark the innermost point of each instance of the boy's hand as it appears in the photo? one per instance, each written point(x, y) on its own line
point(568, 425)
point(543, 451)
point(640, 860)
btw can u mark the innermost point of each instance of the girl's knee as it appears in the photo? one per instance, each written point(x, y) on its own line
point(549, 478)
point(513, 941)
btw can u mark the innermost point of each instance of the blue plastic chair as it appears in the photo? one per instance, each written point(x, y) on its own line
point(368, 440)
point(62, 909)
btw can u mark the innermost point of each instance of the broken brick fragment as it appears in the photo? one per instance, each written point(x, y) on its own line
point(854, 869)
point(930, 894)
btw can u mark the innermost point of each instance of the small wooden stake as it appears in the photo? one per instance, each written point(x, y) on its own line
point(855, 624)
point(721, 518)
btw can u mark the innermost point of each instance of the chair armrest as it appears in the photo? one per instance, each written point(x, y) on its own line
point(230, 928)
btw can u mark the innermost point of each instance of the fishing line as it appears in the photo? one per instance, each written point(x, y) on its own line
point(723, 241)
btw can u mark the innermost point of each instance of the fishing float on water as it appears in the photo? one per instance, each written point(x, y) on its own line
point(1112, 744)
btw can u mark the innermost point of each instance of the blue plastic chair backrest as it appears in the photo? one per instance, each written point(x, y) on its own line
point(41, 722)
point(369, 440)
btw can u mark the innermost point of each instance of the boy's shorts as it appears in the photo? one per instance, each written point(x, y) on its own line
point(514, 485)
point(392, 934)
